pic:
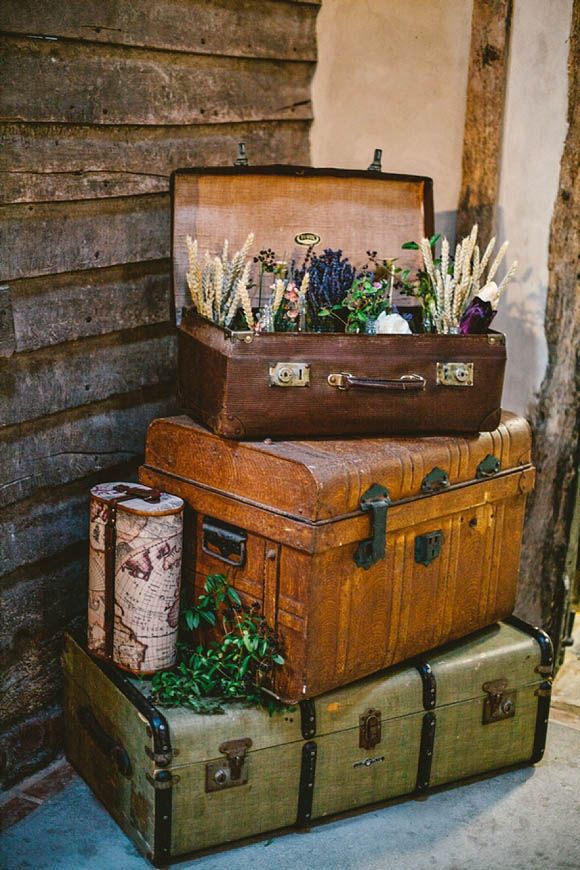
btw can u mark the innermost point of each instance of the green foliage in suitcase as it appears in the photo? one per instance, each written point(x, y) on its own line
point(179, 782)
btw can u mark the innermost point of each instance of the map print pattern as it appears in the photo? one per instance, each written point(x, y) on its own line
point(147, 580)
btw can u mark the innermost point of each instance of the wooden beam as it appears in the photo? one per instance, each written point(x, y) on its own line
point(556, 417)
point(482, 141)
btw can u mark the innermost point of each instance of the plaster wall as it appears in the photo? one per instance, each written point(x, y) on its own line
point(534, 132)
point(393, 74)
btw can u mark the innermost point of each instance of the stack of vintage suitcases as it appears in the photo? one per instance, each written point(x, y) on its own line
point(396, 551)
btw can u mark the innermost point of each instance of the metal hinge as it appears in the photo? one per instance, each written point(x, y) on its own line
point(162, 780)
point(500, 702)
point(376, 499)
point(161, 759)
point(370, 729)
point(233, 770)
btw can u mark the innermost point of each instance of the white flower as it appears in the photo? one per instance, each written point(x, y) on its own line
point(392, 324)
point(489, 293)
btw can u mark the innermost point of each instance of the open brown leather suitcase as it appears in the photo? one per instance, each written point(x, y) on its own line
point(179, 782)
point(246, 386)
point(361, 552)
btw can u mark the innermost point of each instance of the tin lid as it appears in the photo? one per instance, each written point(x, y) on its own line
point(152, 503)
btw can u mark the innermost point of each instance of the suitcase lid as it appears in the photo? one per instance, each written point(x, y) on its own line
point(516, 653)
point(320, 480)
point(347, 209)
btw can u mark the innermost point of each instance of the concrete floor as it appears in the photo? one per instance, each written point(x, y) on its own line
point(527, 818)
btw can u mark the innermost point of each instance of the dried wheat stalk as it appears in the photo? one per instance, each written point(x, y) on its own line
point(219, 286)
point(452, 288)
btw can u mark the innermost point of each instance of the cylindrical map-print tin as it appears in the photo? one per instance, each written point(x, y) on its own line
point(134, 576)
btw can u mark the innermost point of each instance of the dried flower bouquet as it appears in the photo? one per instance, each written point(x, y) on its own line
point(458, 294)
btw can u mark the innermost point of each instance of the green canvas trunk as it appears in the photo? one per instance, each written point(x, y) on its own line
point(178, 782)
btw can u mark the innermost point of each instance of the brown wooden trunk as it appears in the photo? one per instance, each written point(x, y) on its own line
point(295, 518)
point(240, 385)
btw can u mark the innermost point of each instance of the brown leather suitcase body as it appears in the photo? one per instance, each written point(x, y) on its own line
point(291, 385)
point(361, 552)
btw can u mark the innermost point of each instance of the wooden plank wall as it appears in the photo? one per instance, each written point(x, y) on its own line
point(100, 101)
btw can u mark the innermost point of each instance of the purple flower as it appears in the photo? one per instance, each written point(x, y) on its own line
point(477, 317)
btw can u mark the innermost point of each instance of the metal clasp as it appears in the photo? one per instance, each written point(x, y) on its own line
point(500, 702)
point(376, 499)
point(370, 728)
point(488, 467)
point(428, 547)
point(231, 772)
point(436, 480)
point(290, 374)
point(222, 541)
point(455, 374)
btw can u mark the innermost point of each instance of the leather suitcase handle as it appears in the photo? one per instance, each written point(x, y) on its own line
point(405, 384)
point(104, 741)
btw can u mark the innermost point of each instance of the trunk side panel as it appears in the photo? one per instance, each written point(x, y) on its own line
point(465, 747)
point(131, 801)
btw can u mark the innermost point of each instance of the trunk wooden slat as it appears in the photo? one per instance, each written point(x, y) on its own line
point(298, 506)
point(162, 800)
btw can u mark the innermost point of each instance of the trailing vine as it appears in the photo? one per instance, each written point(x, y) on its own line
point(237, 667)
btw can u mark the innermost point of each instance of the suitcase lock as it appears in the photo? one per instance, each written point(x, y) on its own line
point(500, 702)
point(376, 500)
point(233, 770)
point(369, 734)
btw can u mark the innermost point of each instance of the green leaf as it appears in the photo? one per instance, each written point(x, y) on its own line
point(434, 239)
point(188, 616)
point(233, 595)
point(277, 659)
point(410, 246)
point(209, 616)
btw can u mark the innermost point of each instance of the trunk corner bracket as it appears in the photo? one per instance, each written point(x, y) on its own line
point(370, 551)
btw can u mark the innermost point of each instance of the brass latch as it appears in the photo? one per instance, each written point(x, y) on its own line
point(369, 734)
point(233, 770)
point(500, 702)
point(455, 374)
point(290, 374)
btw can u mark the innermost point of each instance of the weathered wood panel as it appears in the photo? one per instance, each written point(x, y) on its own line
point(58, 308)
point(75, 444)
point(41, 528)
point(94, 122)
point(60, 161)
point(37, 384)
point(49, 238)
point(556, 417)
point(98, 84)
point(486, 85)
point(243, 28)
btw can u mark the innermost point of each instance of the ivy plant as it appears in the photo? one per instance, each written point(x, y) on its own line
point(237, 666)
